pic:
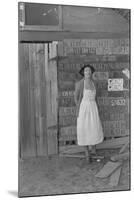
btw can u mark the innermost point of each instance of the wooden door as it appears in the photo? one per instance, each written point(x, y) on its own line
point(37, 100)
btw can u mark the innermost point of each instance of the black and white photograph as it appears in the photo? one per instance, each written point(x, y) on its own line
point(74, 77)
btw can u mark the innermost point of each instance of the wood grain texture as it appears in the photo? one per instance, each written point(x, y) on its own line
point(122, 156)
point(52, 141)
point(108, 144)
point(64, 111)
point(114, 178)
point(96, 47)
point(40, 106)
point(32, 146)
point(107, 169)
point(94, 59)
point(124, 147)
point(72, 155)
point(87, 19)
point(23, 100)
point(33, 101)
point(51, 97)
point(41, 36)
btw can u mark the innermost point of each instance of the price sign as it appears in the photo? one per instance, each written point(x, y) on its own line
point(115, 84)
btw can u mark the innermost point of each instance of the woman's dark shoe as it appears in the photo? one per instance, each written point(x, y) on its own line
point(93, 150)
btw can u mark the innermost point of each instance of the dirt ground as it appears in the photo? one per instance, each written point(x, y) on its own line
point(62, 175)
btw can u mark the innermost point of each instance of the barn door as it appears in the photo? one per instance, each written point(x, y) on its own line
point(37, 104)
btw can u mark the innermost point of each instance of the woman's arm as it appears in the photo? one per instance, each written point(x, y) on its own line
point(94, 83)
point(76, 93)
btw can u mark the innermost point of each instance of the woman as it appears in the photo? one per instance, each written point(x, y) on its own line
point(89, 128)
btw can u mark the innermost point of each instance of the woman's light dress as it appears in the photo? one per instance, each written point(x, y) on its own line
point(89, 128)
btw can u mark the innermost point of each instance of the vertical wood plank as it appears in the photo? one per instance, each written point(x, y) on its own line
point(40, 103)
point(53, 66)
point(35, 91)
point(32, 65)
point(21, 101)
point(51, 73)
point(37, 99)
point(44, 104)
point(47, 86)
point(25, 100)
point(27, 141)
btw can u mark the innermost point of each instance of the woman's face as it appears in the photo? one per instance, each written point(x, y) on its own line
point(87, 72)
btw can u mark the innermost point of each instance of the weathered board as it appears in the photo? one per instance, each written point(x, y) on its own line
point(32, 143)
point(38, 100)
point(26, 112)
point(67, 129)
point(94, 59)
point(112, 116)
point(51, 97)
point(99, 47)
point(113, 109)
point(63, 111)
point(66, 93)
point(107, 144)
point(65, 85)
point(67, 120)
point(108, 66)
point(96, 50)
point(96, 43)
point(114, 128)
point(67, 101)
point(114, 178)
point(121, 156)
point(52, 141)
point(112, 101)
point(107, 169)
point(72, 155)
point(68, 76)
point(124, 147)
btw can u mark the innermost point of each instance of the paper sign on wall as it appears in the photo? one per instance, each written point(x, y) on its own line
point(115, 84)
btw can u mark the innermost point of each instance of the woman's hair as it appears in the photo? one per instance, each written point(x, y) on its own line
point(85, 66)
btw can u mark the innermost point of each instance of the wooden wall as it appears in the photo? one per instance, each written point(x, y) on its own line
point(93, 19)
point(74, 22)
point(37, 99)
point(109, 57)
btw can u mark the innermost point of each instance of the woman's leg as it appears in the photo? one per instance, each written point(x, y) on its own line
point(94, 149)
point(89, 148)
point(87, 153)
